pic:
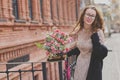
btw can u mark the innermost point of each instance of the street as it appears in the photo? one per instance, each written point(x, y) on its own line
point(111, 67)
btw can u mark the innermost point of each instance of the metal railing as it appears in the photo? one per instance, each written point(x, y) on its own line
point(62, 71)
point(32, 70)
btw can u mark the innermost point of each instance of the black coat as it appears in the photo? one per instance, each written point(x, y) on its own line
point(96, 63)
point(74, 51)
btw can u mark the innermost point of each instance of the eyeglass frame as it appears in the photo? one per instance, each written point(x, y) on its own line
point(90, 15)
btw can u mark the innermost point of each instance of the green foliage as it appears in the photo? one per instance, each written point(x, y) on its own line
point(39, 45)
point(48, 39)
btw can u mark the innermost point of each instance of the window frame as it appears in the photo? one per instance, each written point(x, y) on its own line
point(15, 8)
point(30, 9)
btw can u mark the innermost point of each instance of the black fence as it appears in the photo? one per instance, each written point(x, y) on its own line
point(62, 73)
point(32, 70)
point(66, 74)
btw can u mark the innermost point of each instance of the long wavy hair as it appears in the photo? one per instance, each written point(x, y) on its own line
point(97, 24)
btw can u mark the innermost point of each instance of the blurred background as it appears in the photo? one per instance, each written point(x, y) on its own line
point(111, 12)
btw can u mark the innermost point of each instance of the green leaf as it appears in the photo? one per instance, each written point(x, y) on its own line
point(39, 45)
point(48, 39)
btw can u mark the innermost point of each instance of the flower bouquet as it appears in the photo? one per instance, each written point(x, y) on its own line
point(55, 45)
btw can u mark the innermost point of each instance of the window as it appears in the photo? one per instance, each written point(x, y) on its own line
point(30, 9)
point(76, 10)
point(15, 8)
point(51, 9)
point(41, 8)
point(57, 8)
point(24, 58)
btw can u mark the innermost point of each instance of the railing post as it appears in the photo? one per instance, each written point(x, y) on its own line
point(7, 72)
point(32, 70)
point(60, 70)
point(20, 74)
point(44, 71)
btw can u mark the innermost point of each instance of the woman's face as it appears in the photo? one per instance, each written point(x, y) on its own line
point(89, 16)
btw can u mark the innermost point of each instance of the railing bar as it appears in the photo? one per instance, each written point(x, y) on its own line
point(60, 70)
point(20, 74)
point(32, 70)
point(2, 72)
point(18, 71)
point(44, 71)
point(7, 72)
point(3, 63)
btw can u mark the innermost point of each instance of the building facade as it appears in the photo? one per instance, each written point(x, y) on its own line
point(25, 22)
point(116, 15)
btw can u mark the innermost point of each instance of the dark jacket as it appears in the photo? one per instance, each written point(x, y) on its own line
point(96, 63)
point(74, 51)
point(99, 52)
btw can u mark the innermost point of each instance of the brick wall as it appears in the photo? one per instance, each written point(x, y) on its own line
point(17, 36)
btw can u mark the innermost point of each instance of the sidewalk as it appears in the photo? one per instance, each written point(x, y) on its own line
point(111, 67)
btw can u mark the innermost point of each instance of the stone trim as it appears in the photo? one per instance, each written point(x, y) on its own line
point(11, 52)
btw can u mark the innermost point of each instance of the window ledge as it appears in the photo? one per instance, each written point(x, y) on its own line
point(34, 22)
point(20, 21)
point(3, 20)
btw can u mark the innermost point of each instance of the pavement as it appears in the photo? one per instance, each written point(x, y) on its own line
point(111, 66)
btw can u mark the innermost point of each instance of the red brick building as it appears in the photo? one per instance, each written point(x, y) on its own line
point(24, 22)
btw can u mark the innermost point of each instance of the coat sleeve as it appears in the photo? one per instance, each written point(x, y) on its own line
point(99, 50)
point(74, 51)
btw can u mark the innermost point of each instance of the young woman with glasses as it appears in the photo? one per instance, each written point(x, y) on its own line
point(89, 39)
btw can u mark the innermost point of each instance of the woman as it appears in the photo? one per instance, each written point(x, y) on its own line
point(89, 38)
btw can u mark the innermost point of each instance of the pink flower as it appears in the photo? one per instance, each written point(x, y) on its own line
point(66, 50)
point(48, 44)
point(47, 53)
point(58, 45)
point(62, 33)
point(56, 41)
point(57, 30)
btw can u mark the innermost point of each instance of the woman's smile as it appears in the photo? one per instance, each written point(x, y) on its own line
point(88, 20)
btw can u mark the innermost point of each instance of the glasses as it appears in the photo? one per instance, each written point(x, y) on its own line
point(90, 15)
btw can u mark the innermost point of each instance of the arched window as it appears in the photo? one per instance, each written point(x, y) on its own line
point(30, 9)
point(51, 9)
point(57, 8)
point(41, 8)
point(15, 8)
